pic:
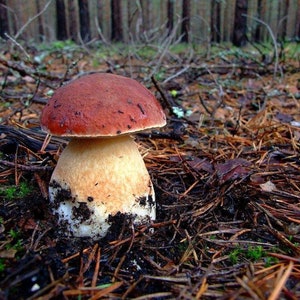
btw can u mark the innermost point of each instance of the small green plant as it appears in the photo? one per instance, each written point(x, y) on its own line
point(10, 192)
point(270, 260)
point(14, 234)
point(234, 255)
point(252, 253)
point(174, 93)
point(16, 242)
point(18, 245)
point(58, 45)
point(160, 75)
point(183, 246)
point(2, 265)
point(255, 253)
point(15, 192)
point(5, 104)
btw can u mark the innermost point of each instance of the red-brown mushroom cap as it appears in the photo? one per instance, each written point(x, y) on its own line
point(101, 104)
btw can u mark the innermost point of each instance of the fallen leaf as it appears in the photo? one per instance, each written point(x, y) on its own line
point(8, 253)
point(233, 169)
point(268, 186)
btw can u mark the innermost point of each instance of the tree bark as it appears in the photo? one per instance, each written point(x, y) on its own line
point(147, 10)
point(215, 24)
point(297, 37)
point(84, 20)
point(73, 20)
point(260, 15)
point(4, 28)
point(240, 23)
point(170, 15)
point(116, 21)
point(61, 21)
point(186, 15)
point(41, 32)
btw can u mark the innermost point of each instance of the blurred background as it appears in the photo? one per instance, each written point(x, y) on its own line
point(144, 21)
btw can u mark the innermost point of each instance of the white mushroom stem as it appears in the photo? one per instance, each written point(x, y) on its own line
point(96, 178)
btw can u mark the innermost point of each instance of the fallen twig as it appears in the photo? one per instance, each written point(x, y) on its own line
point(30, 168)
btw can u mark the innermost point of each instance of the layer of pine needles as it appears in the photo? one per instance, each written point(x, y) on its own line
point(226, 171)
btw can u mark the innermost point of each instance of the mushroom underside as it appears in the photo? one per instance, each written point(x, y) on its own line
point(96, 178)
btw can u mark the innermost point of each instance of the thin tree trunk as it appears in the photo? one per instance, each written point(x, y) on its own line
point(298, 22)
point(84, 20)
point(61, 22)
point(4, 28)
point(186, 16)
point(146, 11)
point(170, 17)
point(40, 22)
point(73, 21)
point(116, 21)
point(257, 34)
point(240, 23)
point(215, 21)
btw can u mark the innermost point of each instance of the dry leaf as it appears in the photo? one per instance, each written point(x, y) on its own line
point(268, 186)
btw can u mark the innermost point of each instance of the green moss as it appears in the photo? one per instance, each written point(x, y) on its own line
point(16, 192)
point(234, 255)
point(2, 265)
point(57, 45)
point(270, 260)
point(255, 253)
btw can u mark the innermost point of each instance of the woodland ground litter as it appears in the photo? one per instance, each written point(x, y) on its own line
point(226, 171)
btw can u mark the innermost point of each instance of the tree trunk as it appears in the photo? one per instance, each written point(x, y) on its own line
point(170, 17)
point(240, 23)
point(4, 28)
point(73, 20)
point(186, 15)
point(41, 32)
point(61, 22)
point(257, 32)
point(84, 20)
point(293, 13)
point(146, 12)
point(297, 37)
point(116, 21)
point(215, 21)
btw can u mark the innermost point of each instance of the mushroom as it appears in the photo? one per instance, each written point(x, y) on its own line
point(101, 172)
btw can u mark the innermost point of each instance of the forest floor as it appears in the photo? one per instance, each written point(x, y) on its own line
point(226, 171)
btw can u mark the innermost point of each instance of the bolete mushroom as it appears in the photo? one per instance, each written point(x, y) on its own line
point(101, 172)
